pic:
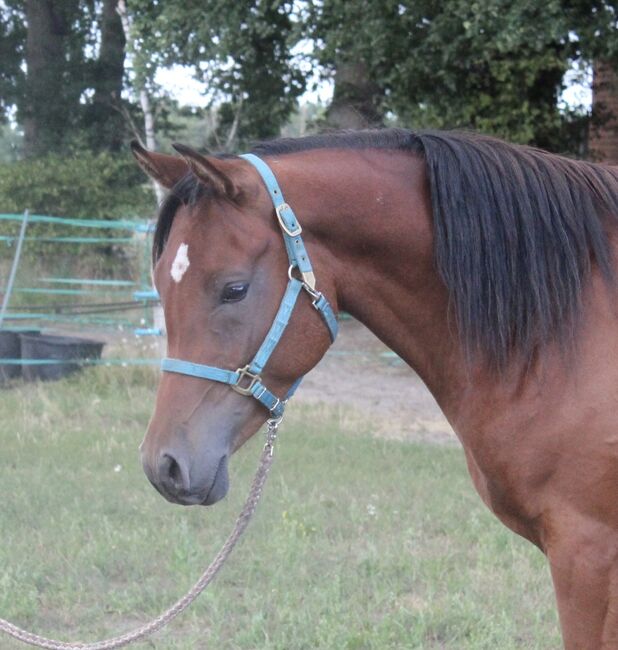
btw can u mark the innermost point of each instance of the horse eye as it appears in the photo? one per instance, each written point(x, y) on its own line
point(234, 292)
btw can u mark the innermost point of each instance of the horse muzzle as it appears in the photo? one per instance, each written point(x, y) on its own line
point(186, 480)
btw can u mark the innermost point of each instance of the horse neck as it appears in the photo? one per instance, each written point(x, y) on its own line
point(368, 216)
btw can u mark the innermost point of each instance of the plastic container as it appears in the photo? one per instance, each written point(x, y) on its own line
point(10, 348)
point(62, 348)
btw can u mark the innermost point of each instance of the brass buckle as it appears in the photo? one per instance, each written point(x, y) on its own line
point(243, 373)
point(292, 233)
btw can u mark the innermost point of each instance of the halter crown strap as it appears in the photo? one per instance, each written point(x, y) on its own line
point(247, 380)
point(294, 245)
point(288, 222)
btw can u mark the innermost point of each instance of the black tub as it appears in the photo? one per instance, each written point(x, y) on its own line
point(62, 348)
point(10, 348)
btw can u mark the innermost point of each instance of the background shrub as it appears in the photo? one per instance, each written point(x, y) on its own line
point(86, 185)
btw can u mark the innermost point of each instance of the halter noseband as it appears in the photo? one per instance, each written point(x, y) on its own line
point(247, 380)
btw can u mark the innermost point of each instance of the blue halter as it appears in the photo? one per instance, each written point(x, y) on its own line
point(247, 380)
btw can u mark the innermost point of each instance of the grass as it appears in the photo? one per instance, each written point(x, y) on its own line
point(358, 544)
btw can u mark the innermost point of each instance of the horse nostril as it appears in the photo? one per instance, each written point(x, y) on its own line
point(174, 471)
point(173, 474)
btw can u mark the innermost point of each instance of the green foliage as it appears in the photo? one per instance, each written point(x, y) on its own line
point(86, 185)
point(243, 50)
point(11, 141)
point(497, 66)
point(57, 77)
point(12, 41)
point(595, 27)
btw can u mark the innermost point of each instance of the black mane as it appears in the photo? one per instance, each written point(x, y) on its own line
point(397, 139)
point(517, 230)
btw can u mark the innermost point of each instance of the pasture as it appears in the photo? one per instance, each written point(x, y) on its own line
point(360, 542)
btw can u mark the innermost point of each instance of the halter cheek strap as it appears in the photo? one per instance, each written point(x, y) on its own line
point(247, 380)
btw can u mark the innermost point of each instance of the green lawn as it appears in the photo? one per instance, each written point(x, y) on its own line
point(358, 543)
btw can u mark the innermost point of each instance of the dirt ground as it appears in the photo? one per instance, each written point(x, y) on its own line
point(360, 372)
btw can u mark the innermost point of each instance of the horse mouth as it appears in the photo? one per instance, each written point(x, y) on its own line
point(220, 484)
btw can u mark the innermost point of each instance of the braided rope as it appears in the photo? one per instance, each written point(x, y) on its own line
point(161, 621)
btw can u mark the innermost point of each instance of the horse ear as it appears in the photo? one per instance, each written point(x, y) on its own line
point(211, 171)
point(166, 170)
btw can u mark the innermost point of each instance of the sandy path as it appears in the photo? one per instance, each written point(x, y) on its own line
point(359, 372)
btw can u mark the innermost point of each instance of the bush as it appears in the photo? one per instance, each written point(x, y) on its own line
point(86, 185)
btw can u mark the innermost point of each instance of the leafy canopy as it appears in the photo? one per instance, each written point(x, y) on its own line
point(497, 66)
point(242, 50)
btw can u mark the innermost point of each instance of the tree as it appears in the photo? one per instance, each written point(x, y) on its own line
point(73, 52)
point(143, 77)
point(356, 98)
point(497, 66)
point(12, 44)
point(102, 118)
point(493, 65)
point(242, 49)
point(54, 56)
point(600, 46)
point(604, 126)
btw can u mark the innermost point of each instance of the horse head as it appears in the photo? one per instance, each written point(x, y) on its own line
point(221, 268)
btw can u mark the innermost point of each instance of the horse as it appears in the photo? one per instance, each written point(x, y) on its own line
point(488, 267)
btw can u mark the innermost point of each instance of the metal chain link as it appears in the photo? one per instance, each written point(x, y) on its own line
point(161, 621)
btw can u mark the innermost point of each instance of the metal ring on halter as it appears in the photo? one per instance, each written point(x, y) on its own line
point(306, 279)
point(245, 373)
point(272, 425)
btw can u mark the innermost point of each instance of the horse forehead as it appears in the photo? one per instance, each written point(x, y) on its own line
point(206, 238)
point(189, 254)
point(211, 222)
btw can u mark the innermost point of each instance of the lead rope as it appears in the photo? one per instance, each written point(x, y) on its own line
point(161, 621)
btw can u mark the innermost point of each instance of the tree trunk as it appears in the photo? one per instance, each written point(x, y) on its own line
point(603, 134)
point(107, 121)
point(141, 91)
point(355, 99)
point(44, 110)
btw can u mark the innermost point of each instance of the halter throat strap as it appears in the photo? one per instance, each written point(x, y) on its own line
point(247, 380)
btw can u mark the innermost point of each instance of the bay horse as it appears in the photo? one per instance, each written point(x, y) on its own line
point(488, 267)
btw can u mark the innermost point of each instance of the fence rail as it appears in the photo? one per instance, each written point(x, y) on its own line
point(123, 294)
